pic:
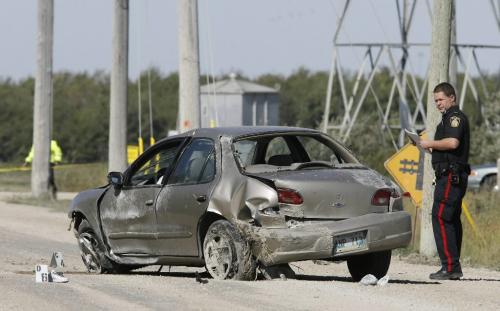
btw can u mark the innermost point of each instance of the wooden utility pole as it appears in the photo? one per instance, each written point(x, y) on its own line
point(117, 154)
point(189, 66)
point(42, 109)
point(440, 57)
point(453, 42)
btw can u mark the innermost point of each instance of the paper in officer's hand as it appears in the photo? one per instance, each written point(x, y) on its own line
point(415, 138)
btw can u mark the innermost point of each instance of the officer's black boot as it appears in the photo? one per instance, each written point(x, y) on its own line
point(445, 275)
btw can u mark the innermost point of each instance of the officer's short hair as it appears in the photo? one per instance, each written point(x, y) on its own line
point(446, 88)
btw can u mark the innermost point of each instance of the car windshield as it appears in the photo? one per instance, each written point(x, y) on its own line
point(289, 152)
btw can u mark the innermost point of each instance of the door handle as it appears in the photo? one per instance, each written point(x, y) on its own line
point(149, 202)
point(201, 198)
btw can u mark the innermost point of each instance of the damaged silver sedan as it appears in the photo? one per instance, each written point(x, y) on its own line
point(235, 199)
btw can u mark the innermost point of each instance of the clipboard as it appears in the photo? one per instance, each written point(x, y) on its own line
point(415, 138)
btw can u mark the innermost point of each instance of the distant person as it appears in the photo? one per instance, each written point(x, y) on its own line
point(450, 156)
point(55, 158)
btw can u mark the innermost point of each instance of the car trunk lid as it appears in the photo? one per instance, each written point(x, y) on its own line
point(337, 193)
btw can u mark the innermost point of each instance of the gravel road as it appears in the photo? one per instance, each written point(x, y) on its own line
point(29, 235)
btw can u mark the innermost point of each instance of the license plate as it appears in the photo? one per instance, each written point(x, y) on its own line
point(350, 242)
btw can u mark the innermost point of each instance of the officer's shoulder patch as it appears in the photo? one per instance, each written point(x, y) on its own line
point(455, 121)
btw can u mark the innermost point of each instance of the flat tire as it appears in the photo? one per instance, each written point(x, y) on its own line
point(227, 253)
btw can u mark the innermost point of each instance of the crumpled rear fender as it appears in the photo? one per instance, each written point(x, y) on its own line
point(237, 196)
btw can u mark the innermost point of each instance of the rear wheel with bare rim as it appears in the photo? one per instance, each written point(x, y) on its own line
point(227, 254)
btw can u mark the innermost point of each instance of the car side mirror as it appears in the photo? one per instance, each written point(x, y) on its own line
point(116, 179)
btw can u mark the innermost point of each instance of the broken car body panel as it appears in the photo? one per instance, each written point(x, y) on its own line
point(159, 222)
point(315, 239)
point(85, 205)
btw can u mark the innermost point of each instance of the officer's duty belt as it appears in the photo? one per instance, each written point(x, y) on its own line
point(444, 168)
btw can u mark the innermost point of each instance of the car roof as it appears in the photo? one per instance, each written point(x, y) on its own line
point(242, 131)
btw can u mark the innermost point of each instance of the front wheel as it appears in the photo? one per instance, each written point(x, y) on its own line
point(92, 252)
point(373, 263)
point(227, 254)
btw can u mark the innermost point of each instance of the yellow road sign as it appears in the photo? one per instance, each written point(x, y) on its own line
point(406, 167)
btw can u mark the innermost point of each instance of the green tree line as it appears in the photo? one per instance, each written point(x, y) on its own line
point(81, 113)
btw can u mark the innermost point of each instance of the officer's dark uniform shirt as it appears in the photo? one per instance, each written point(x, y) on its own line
point(454, 124)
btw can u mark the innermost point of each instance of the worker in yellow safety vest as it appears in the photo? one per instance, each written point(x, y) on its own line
point(55, 158)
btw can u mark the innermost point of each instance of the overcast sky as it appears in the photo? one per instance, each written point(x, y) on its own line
point(252, 37)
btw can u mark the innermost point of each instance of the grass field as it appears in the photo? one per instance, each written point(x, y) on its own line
point(69, 178)
point(477, 250)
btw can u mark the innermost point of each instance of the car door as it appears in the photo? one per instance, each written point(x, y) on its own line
point(185, 198)
point(128, 214)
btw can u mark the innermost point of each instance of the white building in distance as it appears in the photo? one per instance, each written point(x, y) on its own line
point(234, 102)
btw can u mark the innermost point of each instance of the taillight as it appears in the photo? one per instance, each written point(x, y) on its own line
point(381, 197)
point(289, 196)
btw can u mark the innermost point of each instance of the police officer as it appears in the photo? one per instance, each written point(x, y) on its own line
point(450, 155)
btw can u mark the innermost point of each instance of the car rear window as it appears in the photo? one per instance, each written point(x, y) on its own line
point(318, 151)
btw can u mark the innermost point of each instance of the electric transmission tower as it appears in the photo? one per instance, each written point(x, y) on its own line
point(407, 88)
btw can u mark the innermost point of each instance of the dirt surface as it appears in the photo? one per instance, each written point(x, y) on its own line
point(29, 236)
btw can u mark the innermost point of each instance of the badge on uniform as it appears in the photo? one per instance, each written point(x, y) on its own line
point(454, 121)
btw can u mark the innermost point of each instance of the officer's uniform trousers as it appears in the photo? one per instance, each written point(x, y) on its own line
point(446, 223)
